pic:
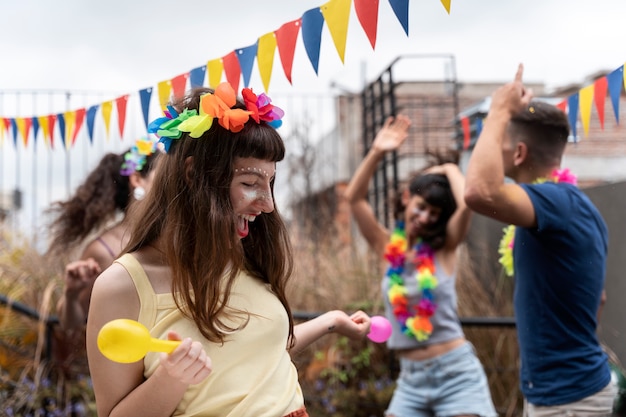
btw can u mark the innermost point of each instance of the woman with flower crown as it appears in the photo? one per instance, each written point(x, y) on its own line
point(439, 371)
point(207, 264)
point(108, 191)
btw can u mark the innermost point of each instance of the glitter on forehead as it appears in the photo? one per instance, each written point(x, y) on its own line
point(253, 169)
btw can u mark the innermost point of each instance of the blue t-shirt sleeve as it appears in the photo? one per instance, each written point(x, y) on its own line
point(551, 203)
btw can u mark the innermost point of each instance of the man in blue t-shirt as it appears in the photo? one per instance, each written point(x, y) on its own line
point(559, 253)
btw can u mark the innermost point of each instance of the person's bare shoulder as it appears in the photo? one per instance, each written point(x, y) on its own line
point(115, 287)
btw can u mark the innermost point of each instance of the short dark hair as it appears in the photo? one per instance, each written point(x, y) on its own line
point(544, 128)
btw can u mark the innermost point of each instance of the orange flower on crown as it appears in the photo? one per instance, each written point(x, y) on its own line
point(219, 105)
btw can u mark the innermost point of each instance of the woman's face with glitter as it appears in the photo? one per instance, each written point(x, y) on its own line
point(250, 192)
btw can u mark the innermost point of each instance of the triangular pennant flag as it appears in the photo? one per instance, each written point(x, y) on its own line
point(367, 13)
point(265, 57)
point(615, 82)
point(215, 67)
point(165, 89)
point(196, 76)
point(286, 37)
point(91, 121)
point(80, 118)
point(52, 119)
point(144, 98)
point(465, 125)
point(121, 113)
point(107, 108)
point(446, 4)
point(479, 126)
point(572, 114)
point(14, 128)
point(24, 128)
point(70, 121)
point(246, 62)
point(312, 24)
point(179, 85)
point(585, 97)
point(337, 14)
point(62, 132)
point(401, 10)
point(562, 106)
point(599, 97)
point(232, 69)
point(45, 129)
point(35, 123)
point(1, 133)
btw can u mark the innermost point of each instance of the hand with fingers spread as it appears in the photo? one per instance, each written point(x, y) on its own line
point(188, 363)
point(393, 133)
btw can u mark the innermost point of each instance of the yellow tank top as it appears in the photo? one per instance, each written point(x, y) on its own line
point(253, 374)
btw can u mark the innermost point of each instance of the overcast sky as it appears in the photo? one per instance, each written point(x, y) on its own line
point(122, 46)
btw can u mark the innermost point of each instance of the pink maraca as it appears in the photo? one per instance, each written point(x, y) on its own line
point(380, 329)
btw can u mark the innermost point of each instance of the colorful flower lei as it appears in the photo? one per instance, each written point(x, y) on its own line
point(416, 324)
point(135, 159)
point(217, 105)
point(505, 248)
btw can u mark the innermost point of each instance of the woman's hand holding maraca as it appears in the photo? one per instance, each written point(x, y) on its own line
point(188, 363)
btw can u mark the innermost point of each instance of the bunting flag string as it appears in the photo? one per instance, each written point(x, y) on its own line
point(239, 63)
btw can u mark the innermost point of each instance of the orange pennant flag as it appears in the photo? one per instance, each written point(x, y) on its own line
point(446, 4)
point(232, 69)
point(600, 88)
point(52, 119)
point(586, 100)
point(179, 84)
point(367, 13)
point(215, 67)
point(265, 57)
point(80, 118)
point(107, 108)
point(286, 37)
point(121, 113)
point(70, 120)
point(337, 14)
point(23, 126)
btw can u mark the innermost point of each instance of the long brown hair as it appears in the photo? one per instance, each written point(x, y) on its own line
point(189, 207)
point(104, 193)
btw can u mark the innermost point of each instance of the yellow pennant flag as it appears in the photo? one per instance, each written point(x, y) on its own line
point(70, 121)
point(336, 14)
point(446, 4)
point(106, 108)
point(165, 89)
point(585, 96)
point(21, 127)
point(45, 128)
point(215, 68)
point(265, 57)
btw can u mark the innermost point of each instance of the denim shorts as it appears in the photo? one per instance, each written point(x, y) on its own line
point(449, 385)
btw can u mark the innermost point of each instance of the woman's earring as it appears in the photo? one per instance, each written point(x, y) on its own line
point(139, 193)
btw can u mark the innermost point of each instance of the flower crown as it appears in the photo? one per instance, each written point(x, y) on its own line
point(217, 105)
point(135, 159)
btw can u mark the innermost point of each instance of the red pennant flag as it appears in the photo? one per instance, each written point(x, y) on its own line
point(563, 106)
point(465, 124)
point(52, 119)
point(286, 37)
point(120, 102)
point(232, 69)
point(80, 118)
point(179, 83)
point(367, 13)
point(601, 86)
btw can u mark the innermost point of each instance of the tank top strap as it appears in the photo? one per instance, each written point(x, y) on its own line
point(145, 292)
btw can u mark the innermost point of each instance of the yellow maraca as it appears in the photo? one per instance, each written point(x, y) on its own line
point(127, 341)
